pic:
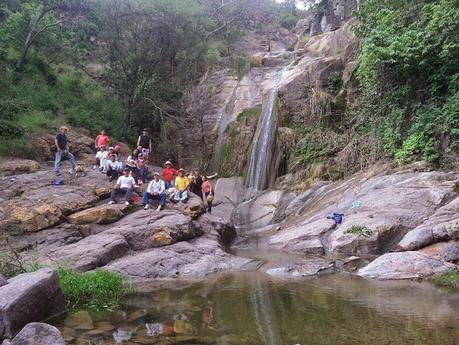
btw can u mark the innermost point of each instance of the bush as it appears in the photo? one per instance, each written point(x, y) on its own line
point(447, 279)
point(97, 290)
point(360, 230)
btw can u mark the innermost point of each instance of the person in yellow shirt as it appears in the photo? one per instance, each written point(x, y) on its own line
point(182, 184)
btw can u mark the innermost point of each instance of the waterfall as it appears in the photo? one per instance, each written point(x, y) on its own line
point(263, 145)
point(224, 122)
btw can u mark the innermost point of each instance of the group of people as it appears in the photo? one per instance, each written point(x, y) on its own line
point(132, 173)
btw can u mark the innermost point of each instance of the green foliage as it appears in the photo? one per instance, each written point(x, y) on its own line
point(409, 76)
point(97, 290)
point(317, 143)
point(448, 279)
point(360, 230)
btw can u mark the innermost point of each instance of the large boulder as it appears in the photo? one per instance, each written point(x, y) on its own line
point(195, 258)
point(37, 333)
point(263, 209)
point(27, 298)
point(91, 252)
point(443, 225)
point(18, 166)
point(229, 192)
point(403, 265)
point(103, 214)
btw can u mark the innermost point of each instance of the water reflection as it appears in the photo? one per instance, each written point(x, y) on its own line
point(252, 309)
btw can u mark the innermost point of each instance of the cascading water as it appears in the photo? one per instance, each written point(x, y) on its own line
point(263, 145)
point(224, 122)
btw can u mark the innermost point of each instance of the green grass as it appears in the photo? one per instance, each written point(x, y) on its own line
point(359, 230)
point(97, 290)
point(447, 279)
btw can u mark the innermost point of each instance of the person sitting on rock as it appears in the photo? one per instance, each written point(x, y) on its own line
point(61, 143)
point(114, 168)
point(118, 152)
point(105, 158)
point(142, 170)
point(99, 155)
point(124, 185)
point(169, 174)
point(182, 184)
point(208, 191)
point(196, 183)
point(156, 190)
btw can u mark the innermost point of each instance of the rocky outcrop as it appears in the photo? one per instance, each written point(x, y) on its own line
point(378, 212)
point(103, 214)
point(18, 166)
point(229, 192)
point(27, 298)
point(37, 333)
point(404, 265)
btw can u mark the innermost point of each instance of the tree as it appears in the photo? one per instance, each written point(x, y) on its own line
point(40, 17)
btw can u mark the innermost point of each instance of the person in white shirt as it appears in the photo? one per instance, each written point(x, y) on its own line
point(156, 190)
point(114, 168)
point(124, 185)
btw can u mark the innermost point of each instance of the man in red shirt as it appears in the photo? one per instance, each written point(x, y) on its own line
point(101, 141)
point(169, 174)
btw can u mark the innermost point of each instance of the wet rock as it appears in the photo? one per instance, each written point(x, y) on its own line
point(194, 207)
point(402, 265)
point(266, 208)
point(218, 228)
point(37, 333)
point(38, 293)
point(18, 166)
point(195, 258)
point(228, 193)
point(91, 252)
point(81, 320)
point(441, 226)
point(451, 252)
point(103, 214)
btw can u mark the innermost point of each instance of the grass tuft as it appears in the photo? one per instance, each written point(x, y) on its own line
point(97, 290)
point(360, 230)
point(448, 279)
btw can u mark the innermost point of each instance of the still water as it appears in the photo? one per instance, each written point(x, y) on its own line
point(252, 309)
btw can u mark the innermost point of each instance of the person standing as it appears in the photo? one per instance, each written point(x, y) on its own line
point(101, 141)
point(124, 185)
point(169, 174)
point(196, 184)
point(61, 143)
point(156, 190)
point(208, 191)
point(145, 142)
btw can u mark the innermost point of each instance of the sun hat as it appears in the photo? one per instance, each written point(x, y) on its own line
point(168, 162)
point(156, 173)
point(181, 170)
point(111, 148)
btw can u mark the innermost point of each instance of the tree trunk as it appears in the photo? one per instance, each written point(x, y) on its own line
point(29, 40)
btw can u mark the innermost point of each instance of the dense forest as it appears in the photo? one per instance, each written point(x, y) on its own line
point(124, 65)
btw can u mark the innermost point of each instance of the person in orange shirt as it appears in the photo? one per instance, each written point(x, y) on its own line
point(169, 174)
point(101, 141)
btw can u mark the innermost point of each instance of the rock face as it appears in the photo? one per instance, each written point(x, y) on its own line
point(29, 297)
point(37, 333)
point(378, 212)
point(18, 166)
point(266, 208)
point(229, 192)
point(404, 265)
point(3, 280)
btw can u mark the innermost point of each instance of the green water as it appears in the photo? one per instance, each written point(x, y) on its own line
point(250, 308)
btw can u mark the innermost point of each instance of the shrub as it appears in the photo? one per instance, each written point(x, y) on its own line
point(447, 279)
point(359, 230)
point(96, 290)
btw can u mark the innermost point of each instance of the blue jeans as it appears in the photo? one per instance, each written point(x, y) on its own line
point(57, 162)
point(181, 196)
point(169, 184)
point(147, 196)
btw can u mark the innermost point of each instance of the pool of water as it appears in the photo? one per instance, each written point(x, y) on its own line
point(252, 309)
